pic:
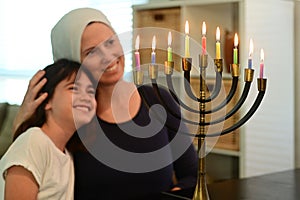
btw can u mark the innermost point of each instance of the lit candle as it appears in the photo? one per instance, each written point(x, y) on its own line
point(203, 38)
point(187, 39)
point(261, 66)
point(170, 56)
point(137, 54)
point(250, 54)
point(218, 45)
point(153, 50)
point(235, 50)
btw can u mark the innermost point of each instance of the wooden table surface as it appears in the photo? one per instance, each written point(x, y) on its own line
point(281, 185)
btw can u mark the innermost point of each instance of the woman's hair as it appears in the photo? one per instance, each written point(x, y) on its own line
point(55, 73)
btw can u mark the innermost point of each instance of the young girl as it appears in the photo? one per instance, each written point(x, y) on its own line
point(37, 165)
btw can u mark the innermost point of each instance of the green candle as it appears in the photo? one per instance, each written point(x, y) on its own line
point(170, 57)
point(235, 50)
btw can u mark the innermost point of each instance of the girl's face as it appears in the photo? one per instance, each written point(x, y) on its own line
point(73, 102)
point(102, 54)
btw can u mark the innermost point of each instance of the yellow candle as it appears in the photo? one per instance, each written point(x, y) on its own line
point(187, 40)
point(170, 57)
point(218, 45)
point(235, 50)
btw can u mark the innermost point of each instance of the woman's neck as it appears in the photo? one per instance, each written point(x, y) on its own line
point(118, 103)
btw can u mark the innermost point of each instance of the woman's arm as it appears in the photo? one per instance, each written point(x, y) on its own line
point(20, 184)
point(31, 99)
point(186, 165)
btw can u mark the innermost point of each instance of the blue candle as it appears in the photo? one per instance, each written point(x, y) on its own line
point(153, 50)
point(250, 54)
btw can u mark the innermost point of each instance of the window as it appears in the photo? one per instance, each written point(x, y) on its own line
point(25, 43)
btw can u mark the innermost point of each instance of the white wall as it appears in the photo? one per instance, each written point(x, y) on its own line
point(269, 135)
point(297, 82)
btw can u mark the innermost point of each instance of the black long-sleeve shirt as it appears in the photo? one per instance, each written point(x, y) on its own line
point(135, 159)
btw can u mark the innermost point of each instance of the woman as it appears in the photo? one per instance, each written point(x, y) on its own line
point(37, 165)
point(100, 170)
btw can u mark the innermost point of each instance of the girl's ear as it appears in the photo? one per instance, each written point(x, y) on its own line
point(48, 106)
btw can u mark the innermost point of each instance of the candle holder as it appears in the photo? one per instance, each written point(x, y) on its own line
point(138, 77)
point(153, 71)
point(201, 191)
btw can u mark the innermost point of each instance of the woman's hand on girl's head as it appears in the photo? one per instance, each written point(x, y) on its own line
point(32, 99)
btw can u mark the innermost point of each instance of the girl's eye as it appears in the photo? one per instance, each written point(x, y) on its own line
point(91, 91)
point(74, 88)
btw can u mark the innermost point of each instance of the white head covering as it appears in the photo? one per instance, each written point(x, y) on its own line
point(66, 34)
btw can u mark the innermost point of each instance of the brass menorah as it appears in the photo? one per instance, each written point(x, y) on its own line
point(201, 191)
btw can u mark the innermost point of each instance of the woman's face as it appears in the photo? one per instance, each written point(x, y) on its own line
point(102, 53)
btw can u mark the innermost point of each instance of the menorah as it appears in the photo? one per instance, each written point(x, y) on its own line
point(202, 99)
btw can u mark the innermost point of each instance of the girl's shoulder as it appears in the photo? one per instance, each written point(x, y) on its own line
point(33, 134)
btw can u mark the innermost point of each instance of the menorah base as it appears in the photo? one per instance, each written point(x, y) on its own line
point(201, 192)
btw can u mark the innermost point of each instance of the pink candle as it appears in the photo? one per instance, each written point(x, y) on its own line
point(137, 54)
point(203, 38)
point(261, 65)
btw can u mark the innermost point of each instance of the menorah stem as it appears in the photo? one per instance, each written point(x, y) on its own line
point(201, 192)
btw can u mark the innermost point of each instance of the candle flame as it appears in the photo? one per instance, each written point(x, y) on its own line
point(236, 40)
point(203, 28)
point(218, 34)
point(169, 39)
point(251, 47)
point(262, 55)
point(153, 43)
point(137, 42)
point(187, 28)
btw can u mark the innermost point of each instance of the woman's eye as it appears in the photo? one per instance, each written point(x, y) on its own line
point(92, 51)
point(109, 42)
